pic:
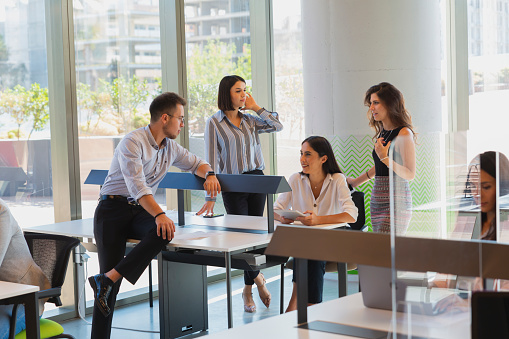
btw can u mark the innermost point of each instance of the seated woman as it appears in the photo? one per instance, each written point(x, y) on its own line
point(16, 265)
point(481, 184)
point(320, 191)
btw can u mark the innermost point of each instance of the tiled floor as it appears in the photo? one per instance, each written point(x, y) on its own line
point(143, 318)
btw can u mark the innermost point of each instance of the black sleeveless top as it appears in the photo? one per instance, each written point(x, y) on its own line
point(380, 168)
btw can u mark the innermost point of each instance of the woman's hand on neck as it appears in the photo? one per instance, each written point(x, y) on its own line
point(232, 114)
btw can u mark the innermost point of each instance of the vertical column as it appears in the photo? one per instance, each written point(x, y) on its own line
point(173, 67)
point(262, 61)
point(63, 110)
point(351, 45)
point(64, 128)
point(458, 88)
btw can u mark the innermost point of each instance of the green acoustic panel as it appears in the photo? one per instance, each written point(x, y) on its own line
point(354, 156)
point(353, 153)
point(426, 185)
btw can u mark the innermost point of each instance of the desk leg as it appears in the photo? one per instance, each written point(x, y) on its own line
point(302, 290)
point(342, 279)
point(282, 298)
point(32, 316)
point(150, 292)
point(228, 265)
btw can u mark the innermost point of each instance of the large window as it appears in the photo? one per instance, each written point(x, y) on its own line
point(218, 43)
point(25, 155)
point(488, 67)
point(118, 72)
point(289, 84)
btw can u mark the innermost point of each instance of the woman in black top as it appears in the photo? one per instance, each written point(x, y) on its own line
point(389, 118)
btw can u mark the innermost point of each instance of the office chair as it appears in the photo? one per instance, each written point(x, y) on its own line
point(51, 253)
point(343, 268)
point(358, 200)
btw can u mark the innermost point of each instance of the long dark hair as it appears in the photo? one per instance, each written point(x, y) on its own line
point(323, 147)
point(224, 99)
point(487, 162)
point(393, 101)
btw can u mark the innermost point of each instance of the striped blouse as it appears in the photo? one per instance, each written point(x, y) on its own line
point(233, 150)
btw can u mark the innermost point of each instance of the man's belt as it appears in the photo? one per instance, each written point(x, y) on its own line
point(127, 200)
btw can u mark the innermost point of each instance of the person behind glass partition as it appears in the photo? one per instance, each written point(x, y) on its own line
point(391, 121)
point(321, 192)
point(18, 266)
point(482, 185)
point(233, 146)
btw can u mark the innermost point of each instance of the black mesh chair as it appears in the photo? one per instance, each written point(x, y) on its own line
point(51, 253)
point(359, 225)
point(358, 200)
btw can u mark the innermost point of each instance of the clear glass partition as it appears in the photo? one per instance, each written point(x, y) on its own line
point(437, 269)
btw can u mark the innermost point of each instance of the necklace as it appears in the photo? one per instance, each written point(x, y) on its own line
point(386, 134)
point(318, 185)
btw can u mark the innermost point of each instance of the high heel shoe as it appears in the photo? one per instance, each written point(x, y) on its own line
point(263, 292)
point(249, 305)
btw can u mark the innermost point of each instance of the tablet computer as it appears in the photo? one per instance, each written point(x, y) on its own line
point(289, 214)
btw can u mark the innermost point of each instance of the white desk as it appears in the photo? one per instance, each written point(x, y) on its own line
point(229, 234)
point(349, 310)
point(24, 294)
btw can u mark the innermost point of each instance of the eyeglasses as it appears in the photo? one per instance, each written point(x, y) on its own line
point(470, 186)
point(182, 119)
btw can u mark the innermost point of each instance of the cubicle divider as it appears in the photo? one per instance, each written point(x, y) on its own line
point(246, 183)
point(478, 259)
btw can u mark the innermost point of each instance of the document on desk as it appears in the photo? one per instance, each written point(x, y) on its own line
point(321, 226)
point(199, 235)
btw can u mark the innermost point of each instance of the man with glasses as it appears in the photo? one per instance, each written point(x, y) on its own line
point(127, 208)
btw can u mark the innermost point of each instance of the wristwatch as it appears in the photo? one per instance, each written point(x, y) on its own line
point(209, 173)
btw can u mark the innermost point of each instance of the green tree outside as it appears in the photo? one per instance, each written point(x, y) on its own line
point(38, 108)
point(14, 103)
point(205, 69)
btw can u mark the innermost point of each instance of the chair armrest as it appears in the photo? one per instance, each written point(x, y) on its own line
point(12, 322)
point(50, 292)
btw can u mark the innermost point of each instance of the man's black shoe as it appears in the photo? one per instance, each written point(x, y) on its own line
point(101, 285)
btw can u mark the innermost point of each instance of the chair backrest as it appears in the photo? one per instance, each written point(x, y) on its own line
point(51, 253)
point(358, 200)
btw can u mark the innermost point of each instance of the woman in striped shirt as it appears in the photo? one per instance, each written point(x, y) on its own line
point(233, 147)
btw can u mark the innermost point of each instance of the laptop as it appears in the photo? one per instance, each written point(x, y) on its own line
point(468, 226)
point(376, 283)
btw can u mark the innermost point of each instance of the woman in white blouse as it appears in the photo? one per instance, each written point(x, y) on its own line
point(321, 192)
point(233, 146)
